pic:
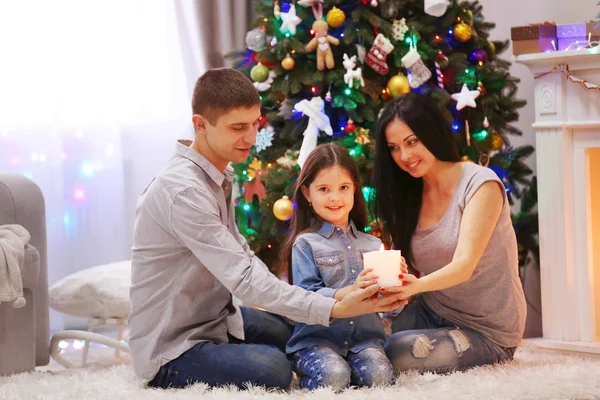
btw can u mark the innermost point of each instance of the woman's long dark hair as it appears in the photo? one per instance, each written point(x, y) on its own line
point(324, 156)
point(398, 196)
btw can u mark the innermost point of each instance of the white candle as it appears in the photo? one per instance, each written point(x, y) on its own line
point(386, 265)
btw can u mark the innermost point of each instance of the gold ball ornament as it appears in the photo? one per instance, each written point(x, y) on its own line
point(466, 159)
point(397, 85)
point(288, 63)
point(335, 17)
point(491, 49)
point(283, 209)
point(463, 32)
point(497, 141)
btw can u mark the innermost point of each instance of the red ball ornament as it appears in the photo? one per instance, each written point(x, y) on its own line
point(262, 122)
point(350, 127)
point(481, 89)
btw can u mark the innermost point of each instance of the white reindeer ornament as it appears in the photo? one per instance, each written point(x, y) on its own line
point(352, 75)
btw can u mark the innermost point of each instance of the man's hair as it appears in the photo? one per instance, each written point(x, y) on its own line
point(221, 90)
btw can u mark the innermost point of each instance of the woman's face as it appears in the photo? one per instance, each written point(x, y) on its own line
point(407, 150)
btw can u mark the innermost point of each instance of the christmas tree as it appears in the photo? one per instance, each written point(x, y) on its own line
point(325, 68)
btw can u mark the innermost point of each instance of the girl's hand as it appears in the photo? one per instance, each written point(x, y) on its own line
point(365, 279)
point(411, 286)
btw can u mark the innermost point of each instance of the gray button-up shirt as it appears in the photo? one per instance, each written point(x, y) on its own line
point(188, 260)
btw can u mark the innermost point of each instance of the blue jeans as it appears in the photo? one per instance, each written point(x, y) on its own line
point(424, 341)
point(259, 360)
point(320, 366)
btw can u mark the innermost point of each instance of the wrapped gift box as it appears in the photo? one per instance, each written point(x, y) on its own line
point(576, 35)
point(538, 38)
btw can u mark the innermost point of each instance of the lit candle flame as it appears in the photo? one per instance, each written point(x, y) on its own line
point(382, 248)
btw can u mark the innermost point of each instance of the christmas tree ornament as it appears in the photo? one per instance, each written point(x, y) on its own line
point(276, 9)
point(468, 133)
point(336, 17)
point(397, 85)
point(290, 21)
point(350, 127)
point(479, 57)
point(254, 167)
point(486, 123)
point(254, 188)
point(363, 136)
point(399, 28)
point(484, 160)
point(352, 76)
point(419, 73)
point(264, 139)
point(438, 69)
point(390, 8)
point(467, 16)
point(481, 89)
point(286, 109)
point(463, 32)
point(321, 42)
point(361, 52)
point(465, 97)
point(288, 63)
point(288, 160)
point(317, 121)
point(274, 42)
point(283, 209)
point(266, 85)
point(442, 59)
point(259, 73)
point(374, 3)
point(436, 8)
point(376, 58)
point(497, 141)
point(256, 39)
point(328, 96)
point(491, 49)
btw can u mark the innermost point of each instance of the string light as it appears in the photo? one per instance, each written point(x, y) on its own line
point(79, 194)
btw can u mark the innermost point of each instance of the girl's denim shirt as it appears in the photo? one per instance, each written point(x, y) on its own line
point(322, 262)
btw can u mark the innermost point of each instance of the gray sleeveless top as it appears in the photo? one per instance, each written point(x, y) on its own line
point(491, 302)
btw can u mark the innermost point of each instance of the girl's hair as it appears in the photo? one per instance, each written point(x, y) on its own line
point(305, 219)
point(397, 194)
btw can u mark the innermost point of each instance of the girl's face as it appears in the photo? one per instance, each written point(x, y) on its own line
point(332, 195)
point(407, 150)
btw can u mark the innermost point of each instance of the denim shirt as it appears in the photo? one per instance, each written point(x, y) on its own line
point(323, 262)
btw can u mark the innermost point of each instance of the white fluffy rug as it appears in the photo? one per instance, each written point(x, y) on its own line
point(534, 374)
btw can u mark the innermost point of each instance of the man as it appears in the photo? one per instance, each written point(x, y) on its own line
point(189, 258)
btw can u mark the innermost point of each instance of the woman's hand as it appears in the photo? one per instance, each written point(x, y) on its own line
point(403, 266)
point(365, 301)
point(410, 286)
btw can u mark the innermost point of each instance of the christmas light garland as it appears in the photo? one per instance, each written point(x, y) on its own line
point(564, 69)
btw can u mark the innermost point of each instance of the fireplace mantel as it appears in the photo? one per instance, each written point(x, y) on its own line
point(567, 126)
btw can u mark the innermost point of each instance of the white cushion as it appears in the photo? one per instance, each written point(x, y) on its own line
point(97, 292)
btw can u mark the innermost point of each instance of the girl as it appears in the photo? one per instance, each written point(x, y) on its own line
point(452, 221)
point(324, 254)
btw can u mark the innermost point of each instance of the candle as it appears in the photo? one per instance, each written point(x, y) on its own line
point(386, 265)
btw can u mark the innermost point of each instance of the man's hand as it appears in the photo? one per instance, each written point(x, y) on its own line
point(363, 301)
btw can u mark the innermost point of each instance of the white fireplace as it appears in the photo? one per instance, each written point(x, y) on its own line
point(567, 126)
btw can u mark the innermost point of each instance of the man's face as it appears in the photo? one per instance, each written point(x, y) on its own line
point(232, 136)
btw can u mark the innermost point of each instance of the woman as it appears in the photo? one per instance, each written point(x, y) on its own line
point(452, 222)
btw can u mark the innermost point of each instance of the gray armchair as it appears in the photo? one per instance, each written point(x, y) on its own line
point(25, 332)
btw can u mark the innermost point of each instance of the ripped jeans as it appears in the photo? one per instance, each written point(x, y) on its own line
point(424, 341)
point(321, 366)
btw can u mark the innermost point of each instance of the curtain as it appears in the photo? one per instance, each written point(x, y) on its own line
point(93, 96)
